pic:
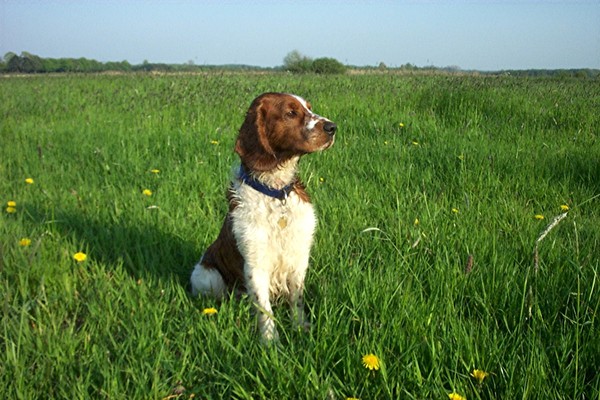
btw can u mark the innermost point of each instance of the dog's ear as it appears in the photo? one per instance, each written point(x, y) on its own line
point(252, 144)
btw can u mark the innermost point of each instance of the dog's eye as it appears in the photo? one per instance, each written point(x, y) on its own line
point(291, 114)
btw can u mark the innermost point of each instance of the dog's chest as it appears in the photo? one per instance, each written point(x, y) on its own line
point(282, 227)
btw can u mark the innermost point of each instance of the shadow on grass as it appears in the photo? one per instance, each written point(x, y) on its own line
point(143, 248)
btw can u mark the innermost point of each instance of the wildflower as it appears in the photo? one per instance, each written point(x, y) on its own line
point(371, 361)
point(564, 207)
point(479, 375)
point(455, 210)
point(321, 179)
point(215, 142)
point(415, 143)
point(209, 311)
point(11, 207)
point(147, 192)
point(79, 257)
point(538, 217)
point(155, 171)
point(401, 125)
point(29, 181)
point(25, 242)
point(456, 396)
point(416, 221)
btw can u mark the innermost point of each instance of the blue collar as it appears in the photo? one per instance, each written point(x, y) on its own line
point(255, 184)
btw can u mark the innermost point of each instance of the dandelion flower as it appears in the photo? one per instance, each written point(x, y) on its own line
point(538, 217)
point(215, 142)
point(479, 375)
point(455, 210)
point(79, 257)
point(147, 192)
point(401, 125)
point(416, 221)
point(456, 396)
point(29, 181)
point(209, 311)
point(25, 242)
point(11, 207)
point(371, 361)
point(564, 207)
point(155, 171)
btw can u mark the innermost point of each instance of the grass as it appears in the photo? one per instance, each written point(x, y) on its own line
point(427, 172)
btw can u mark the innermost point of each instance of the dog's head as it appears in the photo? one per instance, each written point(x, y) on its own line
point(280, 126)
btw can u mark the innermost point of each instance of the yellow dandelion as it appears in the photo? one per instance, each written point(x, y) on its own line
point(455, 210)
point(25, 242)
point(155, 171)
point(29, 181)
point(11, 209)
point(321, 179)
point(371, 361)
point(401, 125)
point(147, 192)
point(564, 207)
point(538, 217)
point(11, 203)
point(456, 396)
point(79, 257)
point(417, 222)
point(215, 142)
point(209, 311)
point(479, 375)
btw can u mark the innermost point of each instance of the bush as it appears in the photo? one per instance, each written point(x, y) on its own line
point(328, 66)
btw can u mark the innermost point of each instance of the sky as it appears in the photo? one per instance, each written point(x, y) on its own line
point(473, 35)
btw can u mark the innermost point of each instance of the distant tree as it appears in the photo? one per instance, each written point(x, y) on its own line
point(327, 65)
point(297, 62)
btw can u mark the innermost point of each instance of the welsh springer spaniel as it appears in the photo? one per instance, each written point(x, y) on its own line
point(264, 244)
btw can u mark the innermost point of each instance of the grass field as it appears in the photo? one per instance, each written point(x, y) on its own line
point(430, 204)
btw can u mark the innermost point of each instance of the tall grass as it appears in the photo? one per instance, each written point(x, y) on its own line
point(428, 172)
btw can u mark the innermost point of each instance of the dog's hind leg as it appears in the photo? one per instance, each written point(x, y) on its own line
point(207, 282)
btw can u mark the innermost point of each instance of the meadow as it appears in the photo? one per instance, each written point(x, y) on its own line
point(426, 255)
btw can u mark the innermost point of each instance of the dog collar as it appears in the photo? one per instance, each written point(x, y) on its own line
point(255, 184)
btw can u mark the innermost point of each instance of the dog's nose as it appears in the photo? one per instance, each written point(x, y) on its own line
point(330, 128)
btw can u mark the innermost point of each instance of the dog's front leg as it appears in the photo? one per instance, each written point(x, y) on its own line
point(258, 290)
point(296, 299)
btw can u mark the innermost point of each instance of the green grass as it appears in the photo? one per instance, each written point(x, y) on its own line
point(121, 324)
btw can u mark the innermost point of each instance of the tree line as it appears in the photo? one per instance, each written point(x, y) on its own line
point(293, 62)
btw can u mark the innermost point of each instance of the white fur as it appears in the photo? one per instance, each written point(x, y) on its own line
point(207, 282)
point(276, 258)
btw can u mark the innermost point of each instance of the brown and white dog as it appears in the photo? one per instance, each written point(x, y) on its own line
point(263, 247)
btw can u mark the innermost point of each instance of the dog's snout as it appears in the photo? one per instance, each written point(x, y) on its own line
point(330, 128)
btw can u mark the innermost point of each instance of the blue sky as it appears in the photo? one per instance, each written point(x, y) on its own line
point(484, 35)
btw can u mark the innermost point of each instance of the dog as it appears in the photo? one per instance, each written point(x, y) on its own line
point(264, 245)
